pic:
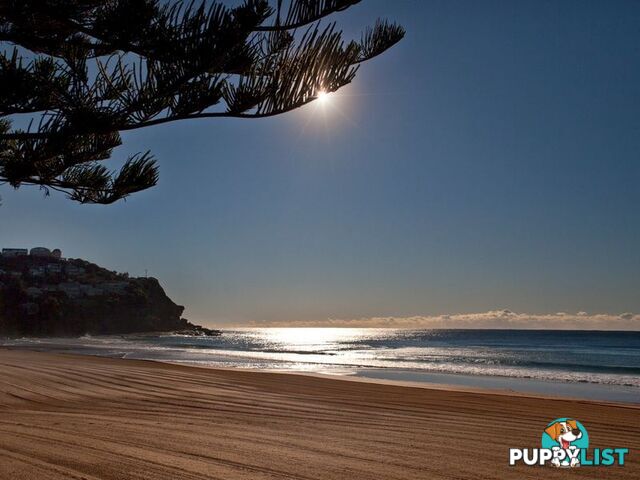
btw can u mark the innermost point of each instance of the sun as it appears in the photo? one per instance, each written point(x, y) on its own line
point(323, 96)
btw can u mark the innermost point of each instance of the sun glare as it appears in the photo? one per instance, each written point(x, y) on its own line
point(310, 338)
point(323, 96)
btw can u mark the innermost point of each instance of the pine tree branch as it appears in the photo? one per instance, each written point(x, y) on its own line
point(173, 61)
point(298, 19)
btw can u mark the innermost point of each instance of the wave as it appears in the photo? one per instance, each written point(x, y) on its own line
point(600, 359)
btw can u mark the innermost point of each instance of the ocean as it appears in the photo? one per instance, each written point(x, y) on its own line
point(584, 364)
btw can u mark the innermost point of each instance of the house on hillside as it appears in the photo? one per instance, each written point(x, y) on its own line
point(37, 271)
point(54, 268)
point(14, 252)
point(73, 270)
point(115, 287)
point(40, 252)
point(71, 289)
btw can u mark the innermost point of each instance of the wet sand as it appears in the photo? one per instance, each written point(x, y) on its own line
point(80, 417)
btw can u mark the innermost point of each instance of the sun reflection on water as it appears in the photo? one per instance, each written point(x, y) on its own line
point(311, 339)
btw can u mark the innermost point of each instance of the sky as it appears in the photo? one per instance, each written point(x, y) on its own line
point(487, 163)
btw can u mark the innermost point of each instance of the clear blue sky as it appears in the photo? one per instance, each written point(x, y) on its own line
point(491, 160)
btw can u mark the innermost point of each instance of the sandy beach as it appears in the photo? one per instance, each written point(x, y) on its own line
point(82, 417)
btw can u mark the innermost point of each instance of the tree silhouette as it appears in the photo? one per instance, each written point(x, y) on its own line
point(82, 71)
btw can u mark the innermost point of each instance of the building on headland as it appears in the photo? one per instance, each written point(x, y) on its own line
point(43, 272)
point(14, 252)
point(72, 289)
point(73, 270)
point(41, 252)
point(114, 287)
point(54, 268)
point(37, 271)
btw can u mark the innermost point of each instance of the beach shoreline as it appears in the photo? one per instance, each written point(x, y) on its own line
point(70, 416)
point(438, 385)
point(505, 385)
point(602, 366)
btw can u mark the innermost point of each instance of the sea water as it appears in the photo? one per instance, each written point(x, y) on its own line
point(589, 364)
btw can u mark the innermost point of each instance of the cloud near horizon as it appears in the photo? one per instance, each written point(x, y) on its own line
point(503, 319)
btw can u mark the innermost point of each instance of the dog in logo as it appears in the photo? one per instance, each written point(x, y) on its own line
point(565, 433)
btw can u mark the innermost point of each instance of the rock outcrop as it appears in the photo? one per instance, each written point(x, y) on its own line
point(46, 296)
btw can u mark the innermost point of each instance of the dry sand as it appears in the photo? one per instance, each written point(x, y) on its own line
point(79, 417)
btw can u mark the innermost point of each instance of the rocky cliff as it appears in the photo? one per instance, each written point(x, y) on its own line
point(52, 296)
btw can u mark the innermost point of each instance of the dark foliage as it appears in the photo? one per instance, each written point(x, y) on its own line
point(85, 70)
